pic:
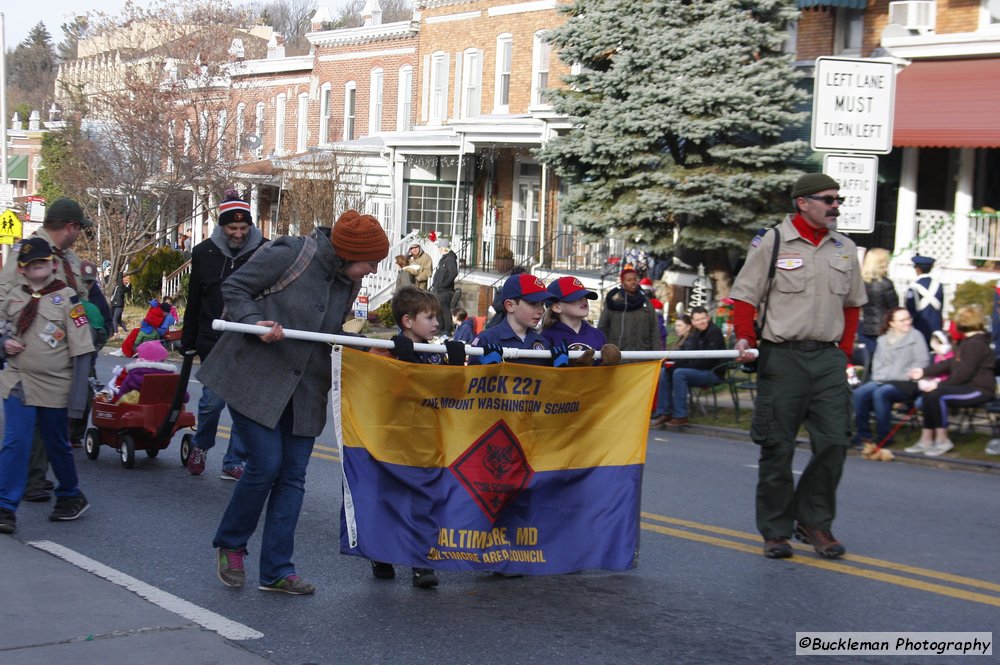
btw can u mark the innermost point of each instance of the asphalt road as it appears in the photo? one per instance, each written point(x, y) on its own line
point(922, 544)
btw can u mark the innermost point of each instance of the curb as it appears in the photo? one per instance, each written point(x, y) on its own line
point(943, 462)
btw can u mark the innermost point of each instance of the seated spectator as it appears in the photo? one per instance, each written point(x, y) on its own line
point(970, 381)
point(705, 336)
point(899, 349)
point(465, 331)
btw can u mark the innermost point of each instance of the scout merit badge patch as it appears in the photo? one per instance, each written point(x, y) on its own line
point(789, 262)
point(52, 334)
point(79, 316)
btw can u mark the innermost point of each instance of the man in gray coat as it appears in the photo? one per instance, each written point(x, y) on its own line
point(278, 396)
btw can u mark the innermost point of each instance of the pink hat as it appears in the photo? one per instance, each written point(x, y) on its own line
point(151, 351)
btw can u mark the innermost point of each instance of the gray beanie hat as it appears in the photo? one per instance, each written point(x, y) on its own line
point(811, 183)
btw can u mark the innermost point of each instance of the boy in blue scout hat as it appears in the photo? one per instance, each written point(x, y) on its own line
point(523, 298)
point(566, 323)
point(47, 343)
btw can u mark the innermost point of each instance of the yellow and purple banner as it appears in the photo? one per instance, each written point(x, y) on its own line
point(506, 468)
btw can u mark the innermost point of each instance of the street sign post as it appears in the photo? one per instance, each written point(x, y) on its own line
point(858, 178)
point(6, 196)
point(853, 102)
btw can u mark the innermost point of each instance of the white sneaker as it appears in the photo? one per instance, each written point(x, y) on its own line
point(918, 448)
point(993, 447)
point(939, 448)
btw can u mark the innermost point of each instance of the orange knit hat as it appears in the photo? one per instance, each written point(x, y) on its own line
point(358, 237)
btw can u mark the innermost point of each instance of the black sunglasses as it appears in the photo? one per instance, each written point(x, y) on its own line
point(829, 200)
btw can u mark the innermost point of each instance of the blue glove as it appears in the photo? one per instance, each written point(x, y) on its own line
point(560, 355)
point(492, 354)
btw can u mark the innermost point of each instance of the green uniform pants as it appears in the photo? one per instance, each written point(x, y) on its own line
point(798, 388)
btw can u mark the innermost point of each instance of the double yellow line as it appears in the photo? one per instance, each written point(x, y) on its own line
point(879, 570)
point(912, 577)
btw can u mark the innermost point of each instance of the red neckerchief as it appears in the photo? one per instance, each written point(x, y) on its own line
point(815, 236)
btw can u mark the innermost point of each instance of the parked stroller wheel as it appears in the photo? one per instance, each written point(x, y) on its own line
point(92, 443)
point(186, 443)
point(152, 451)
point(127, 451)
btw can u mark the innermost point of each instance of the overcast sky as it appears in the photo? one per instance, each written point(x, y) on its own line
point(20, 16)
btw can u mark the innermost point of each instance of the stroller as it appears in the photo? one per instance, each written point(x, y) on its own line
point(148, 425)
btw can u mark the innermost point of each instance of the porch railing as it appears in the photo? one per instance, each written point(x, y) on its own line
point(567, 252)
point(984, 236)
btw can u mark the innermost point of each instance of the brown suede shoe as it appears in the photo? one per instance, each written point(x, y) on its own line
point(659, 421)
point(823, 542)
point(777, 548)
point(678, 422)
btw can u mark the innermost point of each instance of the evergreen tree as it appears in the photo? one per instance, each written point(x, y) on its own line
point(31, 71)
point(72, 33)
point(676, 118)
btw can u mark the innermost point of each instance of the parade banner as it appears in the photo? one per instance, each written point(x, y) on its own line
point(507, 468)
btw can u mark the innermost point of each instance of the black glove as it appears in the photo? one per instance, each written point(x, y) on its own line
point(456, 352)
point(560, 355)
point(404, 348)
point(492, 354)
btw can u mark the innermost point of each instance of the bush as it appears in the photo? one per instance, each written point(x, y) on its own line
point(973, 293)
point(146, 283)
point(383, 315)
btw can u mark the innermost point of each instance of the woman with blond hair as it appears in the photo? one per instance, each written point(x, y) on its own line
point(970, 381)
point(882, 297)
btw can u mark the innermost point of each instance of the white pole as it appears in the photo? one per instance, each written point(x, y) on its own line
point(3, 104)
point(350, 340)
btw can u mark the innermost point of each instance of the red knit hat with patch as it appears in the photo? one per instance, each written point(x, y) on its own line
point(358, 237)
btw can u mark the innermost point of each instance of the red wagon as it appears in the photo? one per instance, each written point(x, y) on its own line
point(148, 425)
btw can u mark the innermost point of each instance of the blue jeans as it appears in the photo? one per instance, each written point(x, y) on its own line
point(210, 407)
point(663, 393)
point(275, 473)
point(18, 432)
point(881, 396)
point(684, 377)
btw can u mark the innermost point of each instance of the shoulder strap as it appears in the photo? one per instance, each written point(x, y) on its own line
point(770, 278)
point(297, 268)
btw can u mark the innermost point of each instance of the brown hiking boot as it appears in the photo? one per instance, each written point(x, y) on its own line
point(823, 542)
point(777, 548)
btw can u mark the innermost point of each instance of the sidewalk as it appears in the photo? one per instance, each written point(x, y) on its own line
point(56, 612)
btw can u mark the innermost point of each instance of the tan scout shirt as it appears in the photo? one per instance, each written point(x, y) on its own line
point(812, 285)
point(59, 333)
point(11, 279)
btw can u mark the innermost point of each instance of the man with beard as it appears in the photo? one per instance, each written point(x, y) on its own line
point(628, 318)
point(232, 243)
point(809, 315)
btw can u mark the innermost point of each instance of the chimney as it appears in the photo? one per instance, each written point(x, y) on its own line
point(15, 122)
point(54, 113)
point(276, 47)
point(34, 121)
point(320, 20)
point(372, 13)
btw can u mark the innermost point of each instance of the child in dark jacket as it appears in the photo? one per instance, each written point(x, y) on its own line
point(465, 332)
point(416, 313)
point(565, 322)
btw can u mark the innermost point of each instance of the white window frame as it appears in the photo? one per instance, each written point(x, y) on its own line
point(404, 98)
point(987, 22)
point(541, 64)
point(503, 72)
point(187, 138)
point(438, 111)
point(220, 148)
point(843, 20)
point(279, 123)
point(259, 129)
point(325, 102)
point(350, 110)
point(241, 129)
point(302, 123)
point(376, 95)
point(472, 83)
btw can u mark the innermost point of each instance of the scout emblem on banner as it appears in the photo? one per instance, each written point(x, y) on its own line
point(506, 468)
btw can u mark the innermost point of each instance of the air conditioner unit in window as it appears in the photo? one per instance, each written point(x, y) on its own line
point(916, 15)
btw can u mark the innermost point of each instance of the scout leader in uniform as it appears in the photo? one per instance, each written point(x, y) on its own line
point(809, 314)
point(48, 348)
